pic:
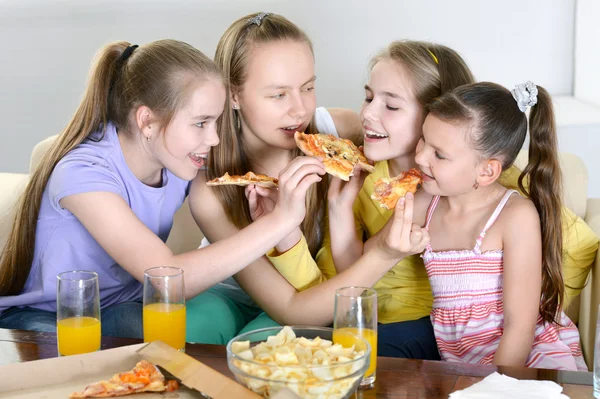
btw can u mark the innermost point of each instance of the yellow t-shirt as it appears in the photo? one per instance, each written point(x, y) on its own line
point(404, 292)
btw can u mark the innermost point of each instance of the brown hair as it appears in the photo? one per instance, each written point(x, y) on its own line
point(435, 69)
point(499, 130)
point(230, 156)
point(158, 75)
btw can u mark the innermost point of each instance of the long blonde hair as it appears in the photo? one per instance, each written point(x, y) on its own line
point(157, 75)
point(230, 156)
point(434, 68)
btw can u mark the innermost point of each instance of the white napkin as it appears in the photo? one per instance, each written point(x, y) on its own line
point(500, 386)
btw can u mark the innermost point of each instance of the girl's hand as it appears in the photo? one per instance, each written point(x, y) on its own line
point(261, 200)
point(400, 237)
point(294, 181)
point(341, 194)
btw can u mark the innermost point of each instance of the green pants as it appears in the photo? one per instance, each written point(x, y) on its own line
point(214, 317)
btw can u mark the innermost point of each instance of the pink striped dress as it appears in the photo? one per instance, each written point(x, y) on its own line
point(467, 314)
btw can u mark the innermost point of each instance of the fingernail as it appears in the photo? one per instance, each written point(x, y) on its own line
point(401, 201)
point(409, 195)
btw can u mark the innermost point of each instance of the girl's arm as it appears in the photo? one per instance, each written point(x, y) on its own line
point(315, 305)
point(346, 244)
point(108, 218)
point(521, 235)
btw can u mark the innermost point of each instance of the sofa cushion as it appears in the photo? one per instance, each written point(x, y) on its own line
point(13, 185)
point(39, 151)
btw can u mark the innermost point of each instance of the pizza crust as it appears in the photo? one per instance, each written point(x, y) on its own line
point(245, 180)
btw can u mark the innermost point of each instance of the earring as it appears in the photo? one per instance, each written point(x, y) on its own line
point(235, 106)
point(148, 138)
point(476, 185)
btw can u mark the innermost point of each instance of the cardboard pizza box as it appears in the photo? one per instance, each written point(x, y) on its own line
point(61, 376)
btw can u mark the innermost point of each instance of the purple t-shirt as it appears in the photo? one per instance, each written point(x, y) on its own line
point(63, 244)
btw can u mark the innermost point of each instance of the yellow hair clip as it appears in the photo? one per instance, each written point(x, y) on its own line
point(433, 56)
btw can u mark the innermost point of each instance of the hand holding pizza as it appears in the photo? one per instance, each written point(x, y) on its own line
point(400, 237)
point(261, 200)
point(294, 181)
point(342, 194)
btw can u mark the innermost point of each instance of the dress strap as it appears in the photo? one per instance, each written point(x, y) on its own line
point(493, 218)
point(432, 205)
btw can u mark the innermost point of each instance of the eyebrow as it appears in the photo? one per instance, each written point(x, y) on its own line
point(387, 94)
point(203, 117)
point(289, 87)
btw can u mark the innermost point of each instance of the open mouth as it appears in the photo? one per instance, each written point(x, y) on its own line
point(198, 159)
point(290, 130)
point(371, 135)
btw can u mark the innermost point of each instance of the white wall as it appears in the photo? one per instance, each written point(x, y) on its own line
point(46, 46)
point(587, 52)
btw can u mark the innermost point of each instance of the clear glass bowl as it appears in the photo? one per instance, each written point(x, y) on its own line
point(339, 380)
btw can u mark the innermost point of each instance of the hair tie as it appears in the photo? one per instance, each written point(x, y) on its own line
point(525, 94)
point(258, 18)
point(127, 53)
point(433, 56)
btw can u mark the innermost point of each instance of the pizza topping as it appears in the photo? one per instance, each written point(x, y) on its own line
point(388, 191)
point(144, 377)
point(339, 156)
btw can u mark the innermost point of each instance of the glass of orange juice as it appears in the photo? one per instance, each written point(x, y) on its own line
point(78, 313)
point(164, 306)
point(356, 315)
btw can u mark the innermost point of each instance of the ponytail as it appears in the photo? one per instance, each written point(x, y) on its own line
point(544, 183)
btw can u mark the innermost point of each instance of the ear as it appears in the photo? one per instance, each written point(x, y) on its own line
point(234, 99)
point(489, 171)
point(143, 119)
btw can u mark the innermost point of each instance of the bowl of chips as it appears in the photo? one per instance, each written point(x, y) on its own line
point(301, 359)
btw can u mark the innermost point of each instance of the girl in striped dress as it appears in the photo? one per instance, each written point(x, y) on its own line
point(494, 257)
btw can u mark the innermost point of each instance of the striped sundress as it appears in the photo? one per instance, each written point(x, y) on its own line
point(467, 314)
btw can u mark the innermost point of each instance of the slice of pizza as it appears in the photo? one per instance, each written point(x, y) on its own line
point(388, 191)
point(245, 180)
point(144, 377)
point(338, 155)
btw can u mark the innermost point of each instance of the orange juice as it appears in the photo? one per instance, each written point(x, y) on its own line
point(165, 322)
point(341, 336)
point(78, 335)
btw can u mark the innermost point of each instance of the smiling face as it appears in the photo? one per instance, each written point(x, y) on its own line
point(192, 131)
point(277, 99)
point(391, 115)
point(449, 164)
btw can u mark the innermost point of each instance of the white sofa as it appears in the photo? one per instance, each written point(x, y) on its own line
point(186, 236)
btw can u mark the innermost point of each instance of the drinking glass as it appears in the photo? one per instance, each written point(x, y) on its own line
point(78, 313)
point(164, 306)
point(356, 315)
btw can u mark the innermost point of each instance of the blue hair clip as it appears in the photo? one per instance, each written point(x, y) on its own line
point(258, 19)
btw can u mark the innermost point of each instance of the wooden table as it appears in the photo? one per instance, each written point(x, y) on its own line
point(396, 378)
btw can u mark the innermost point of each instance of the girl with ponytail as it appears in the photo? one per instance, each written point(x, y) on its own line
point(104, 195)
point(494, 259)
